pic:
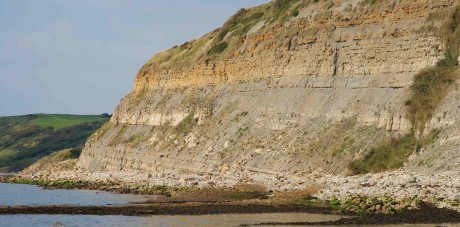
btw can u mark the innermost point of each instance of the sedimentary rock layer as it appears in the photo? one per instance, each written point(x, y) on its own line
point(296, 95)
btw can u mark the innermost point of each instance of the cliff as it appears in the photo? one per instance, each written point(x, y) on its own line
point(287, 88)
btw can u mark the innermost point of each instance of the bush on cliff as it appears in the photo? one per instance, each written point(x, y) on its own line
point(429, 88)
point(218, 48)
point(432, 85)
point(389, 155)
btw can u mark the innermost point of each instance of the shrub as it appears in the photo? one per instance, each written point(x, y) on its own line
point(281, 8)
point(295, 13)
point(218, 48)
point(391, 154)
point(222, 34)
point(427, 90)
point(358, 167)
point(388, 156)
point(76, 152)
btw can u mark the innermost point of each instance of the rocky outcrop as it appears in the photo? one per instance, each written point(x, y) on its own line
point(288, 97)
point(442, 189)
point(59, 161)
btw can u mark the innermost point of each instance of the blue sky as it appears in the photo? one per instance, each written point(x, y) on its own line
point(81, 57)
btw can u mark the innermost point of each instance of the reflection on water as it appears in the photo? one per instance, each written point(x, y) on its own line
point(22, 194)
point(161, 220)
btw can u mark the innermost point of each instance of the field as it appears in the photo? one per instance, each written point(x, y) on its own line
point(59, 121)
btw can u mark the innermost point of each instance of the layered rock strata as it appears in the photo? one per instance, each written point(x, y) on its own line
point(287, 98)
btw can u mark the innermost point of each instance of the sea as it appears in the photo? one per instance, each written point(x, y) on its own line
point(21, 194)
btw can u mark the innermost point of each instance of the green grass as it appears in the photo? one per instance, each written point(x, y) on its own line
point(372, 2)
point(135, 140)
point(283, 9)
point(185, 125)
point(428, 89)
point(218, 48)
point(387, 156)
point(241, 22)
point(391, 154)
point(92, 185)
point(25, 139)
point(59, 121)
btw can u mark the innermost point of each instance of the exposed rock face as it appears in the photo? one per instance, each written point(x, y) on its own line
point(444, 153)
point(304, 95)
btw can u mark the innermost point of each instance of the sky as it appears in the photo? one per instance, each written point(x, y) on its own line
point(81, 57)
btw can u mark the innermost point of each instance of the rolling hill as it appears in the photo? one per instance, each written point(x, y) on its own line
point(25, 139)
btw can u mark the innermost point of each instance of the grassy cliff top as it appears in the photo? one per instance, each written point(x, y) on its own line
point(223, 42)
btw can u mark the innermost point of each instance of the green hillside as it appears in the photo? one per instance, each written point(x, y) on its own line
point(25, 139)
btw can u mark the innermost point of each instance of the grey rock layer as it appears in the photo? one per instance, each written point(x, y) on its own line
point(307, 102)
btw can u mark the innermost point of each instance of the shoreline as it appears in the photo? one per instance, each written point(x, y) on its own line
point(71, 184)
point(442, 189)
point(427, 215)
point(398, 184)
point(362, 210)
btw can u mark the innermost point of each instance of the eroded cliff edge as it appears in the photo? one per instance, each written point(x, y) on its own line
point(279, 91)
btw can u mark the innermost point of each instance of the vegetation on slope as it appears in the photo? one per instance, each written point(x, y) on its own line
point(391, 154)
point(428, 89)
point(225, 41)
point(185, 125)
point(370, 1)
point(432, 85)
point(25, 139)
point(57, 161)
